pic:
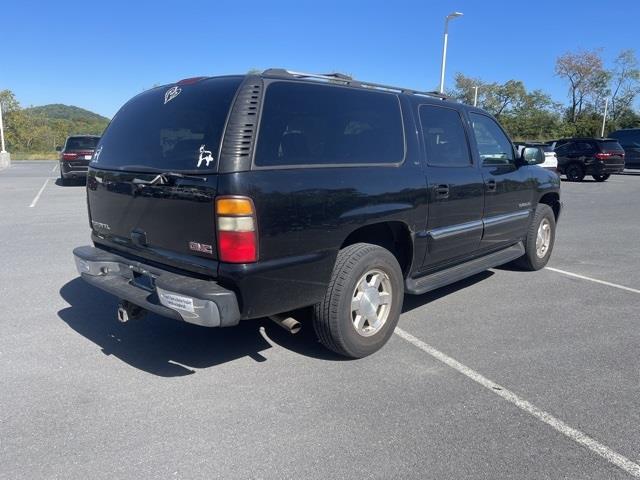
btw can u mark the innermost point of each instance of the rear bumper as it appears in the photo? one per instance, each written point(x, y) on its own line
point(181, 297)
point(74, 168)
point(600, 168)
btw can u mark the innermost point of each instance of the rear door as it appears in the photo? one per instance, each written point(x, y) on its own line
point(78, 150)
point(630, 141)
point(611, 154)
point(508, 189)
point(454, 185)
point(153, 179)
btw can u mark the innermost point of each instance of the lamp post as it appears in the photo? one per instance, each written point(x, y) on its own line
point(5, 158)
point(475, 96)
point(444, 47)
point(604, 117)
point(1, 131)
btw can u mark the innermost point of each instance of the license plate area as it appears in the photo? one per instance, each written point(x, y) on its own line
point(144, 281)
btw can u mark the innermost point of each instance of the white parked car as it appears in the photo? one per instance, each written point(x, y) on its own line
point(550, 158)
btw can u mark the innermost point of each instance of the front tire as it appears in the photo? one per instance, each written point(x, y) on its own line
point(601, 178)
point(363, 301)
point(574, 172)
point(540, 239)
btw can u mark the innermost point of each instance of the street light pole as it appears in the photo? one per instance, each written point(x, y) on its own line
point(1, 131)
point(444, 46)
point(604, 117)
point(475, 96)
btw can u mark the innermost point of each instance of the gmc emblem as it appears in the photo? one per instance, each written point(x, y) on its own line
point(201, 247)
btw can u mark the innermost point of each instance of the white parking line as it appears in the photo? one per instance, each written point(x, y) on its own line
point(602, 282)
point(558, 425)
point(55, 167)
point(37, 197)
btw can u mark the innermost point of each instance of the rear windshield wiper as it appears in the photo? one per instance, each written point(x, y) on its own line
point(165, 177)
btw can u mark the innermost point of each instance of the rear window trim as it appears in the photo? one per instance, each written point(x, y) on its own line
point(269, 82)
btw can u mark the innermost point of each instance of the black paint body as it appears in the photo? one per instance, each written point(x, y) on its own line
point(305, 215)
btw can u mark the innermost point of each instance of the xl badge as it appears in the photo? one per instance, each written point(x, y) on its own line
point(172, 93)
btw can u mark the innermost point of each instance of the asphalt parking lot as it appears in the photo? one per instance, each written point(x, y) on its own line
point(505, 375)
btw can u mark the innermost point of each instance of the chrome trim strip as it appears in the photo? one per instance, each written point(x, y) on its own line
point(445, 232)
point(505, 218)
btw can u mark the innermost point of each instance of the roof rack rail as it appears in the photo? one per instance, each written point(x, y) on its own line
point(347, 80)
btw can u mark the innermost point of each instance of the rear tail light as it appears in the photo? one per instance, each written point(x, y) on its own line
point(237, 237)
point(69, 156)
point(605, 155)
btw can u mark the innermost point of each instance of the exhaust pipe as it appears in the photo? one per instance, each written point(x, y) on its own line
point(128, 311)
point(290, 324)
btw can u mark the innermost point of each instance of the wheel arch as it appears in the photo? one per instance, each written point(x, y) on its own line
point(395, 236)
point(552, 199)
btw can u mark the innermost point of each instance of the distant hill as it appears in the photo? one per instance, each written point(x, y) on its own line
point(68, 119)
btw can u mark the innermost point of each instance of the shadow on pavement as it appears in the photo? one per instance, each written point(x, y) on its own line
point(169, 348)
point(72, 182)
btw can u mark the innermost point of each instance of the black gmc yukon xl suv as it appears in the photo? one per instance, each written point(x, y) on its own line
point(215, 200)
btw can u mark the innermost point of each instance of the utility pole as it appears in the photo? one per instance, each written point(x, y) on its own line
point(604, 117)
point(475, 96)
point(1, 130)
point(5, 158)
point(444, 46)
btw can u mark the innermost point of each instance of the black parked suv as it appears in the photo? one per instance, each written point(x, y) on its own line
point(75, 156)
point(215, 200)
point(630, 140)
point(598, 157)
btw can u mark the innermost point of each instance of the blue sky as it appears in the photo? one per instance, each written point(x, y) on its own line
point(97, 55)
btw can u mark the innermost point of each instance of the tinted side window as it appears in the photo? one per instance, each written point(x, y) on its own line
point(564, 149)
point(444, 137)
point(493, 145)
point(306, 124)
point(585, 147)
point(627, 138)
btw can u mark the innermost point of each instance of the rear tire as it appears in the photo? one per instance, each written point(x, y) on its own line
point(574, 172)
point(363, 301)
point(540, 239)
point(63, 181)
point(601, 178)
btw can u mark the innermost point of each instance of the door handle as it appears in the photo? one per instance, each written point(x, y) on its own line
point(442, 191)
point(492, 185)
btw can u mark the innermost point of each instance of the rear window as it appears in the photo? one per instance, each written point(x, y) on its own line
point(629, 138)
point(610, 146)
point(170, 128)
point(81, 143)
point(305, 124)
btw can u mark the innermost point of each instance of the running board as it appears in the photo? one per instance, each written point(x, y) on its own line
point(420, 285)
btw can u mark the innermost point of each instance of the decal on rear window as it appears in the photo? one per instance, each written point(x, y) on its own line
point(96, 154)
point(172, 93)
point(205, 156)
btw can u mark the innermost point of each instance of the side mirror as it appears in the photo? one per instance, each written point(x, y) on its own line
point(532, 155)
point(58, 148)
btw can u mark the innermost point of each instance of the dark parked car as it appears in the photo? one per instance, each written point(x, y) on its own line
point(630, 141)
point(76, 155)
point(215, 200)
point(598, 157)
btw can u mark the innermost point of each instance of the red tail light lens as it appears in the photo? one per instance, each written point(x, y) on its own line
point(237, 237)
point(237, 247)
point(69, 156)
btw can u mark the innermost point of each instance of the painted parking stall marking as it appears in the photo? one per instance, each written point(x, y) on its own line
point(574, 434)
point(37, 197)
point(595, 280)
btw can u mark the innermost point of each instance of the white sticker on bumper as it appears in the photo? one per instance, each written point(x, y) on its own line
point(179, 302)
